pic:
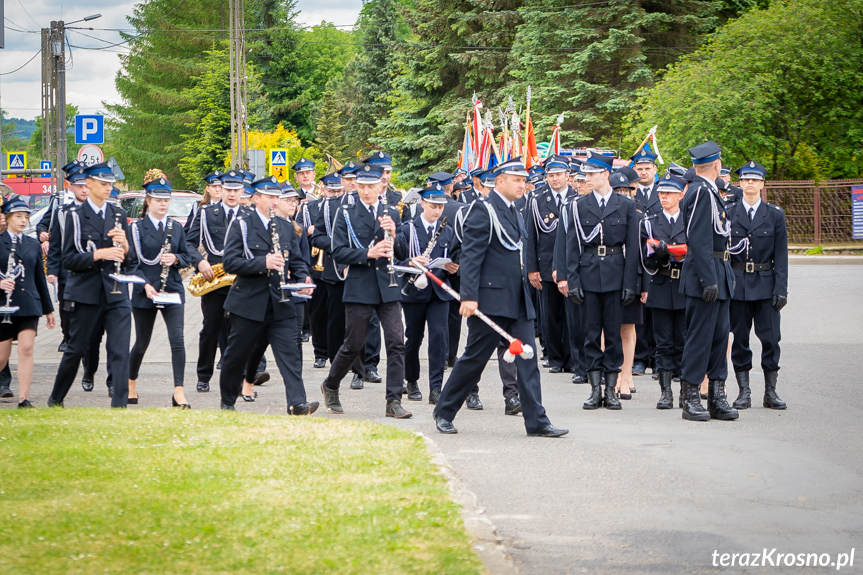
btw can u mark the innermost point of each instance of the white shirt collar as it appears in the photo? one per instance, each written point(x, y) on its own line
point(600, 197)
point(18, 236)
point(668, 215)
point(230, 209)
point(506, 201)
point(156, 222)
point(754, 206)
point(96, 208)
point(374, 205)
point(264, 219)
point(712, 183)
point(559, 195)
point(427, 223)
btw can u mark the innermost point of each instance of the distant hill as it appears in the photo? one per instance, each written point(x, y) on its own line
point(26, 127)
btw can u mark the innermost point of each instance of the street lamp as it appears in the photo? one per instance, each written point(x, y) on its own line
point(86, 19)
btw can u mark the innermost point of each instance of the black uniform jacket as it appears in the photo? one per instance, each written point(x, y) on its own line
point(703, 265)
point(768, 248)
point(151, 243)
point(87, 278)
point(540, 244)
point(663, 288)
point(217, 224)
point(368, 279)
point(491, 274)
point(590, 270)
point(31, 293)
point(255, 284)
point(446, 246)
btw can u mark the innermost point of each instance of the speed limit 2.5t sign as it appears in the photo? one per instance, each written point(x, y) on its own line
point(91, 154)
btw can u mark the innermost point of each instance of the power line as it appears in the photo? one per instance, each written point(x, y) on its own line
point(22, 65)
point(28, 14)
point(127, 40)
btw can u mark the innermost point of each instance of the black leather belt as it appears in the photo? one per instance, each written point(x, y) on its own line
point(751, 267)
point(722, 255)
point(672, 272)
point(603, 250)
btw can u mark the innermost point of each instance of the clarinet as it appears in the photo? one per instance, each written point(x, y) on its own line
point(10, 274)
point(274, 237)
point(166, 269)
point(417, 279)
point(387, 236)
point(117, 226)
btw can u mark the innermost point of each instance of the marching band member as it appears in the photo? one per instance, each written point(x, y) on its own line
point(256, 303)
point(95, 241)
point(26, 292)
point(160, 249)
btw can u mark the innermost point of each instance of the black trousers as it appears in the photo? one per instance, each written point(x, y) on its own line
point(554, 322)
point(539, 323)
point(83, 321)
point(645, 339)
point(317, 308)
point(373, 344)
point(454, 320)
point(335, 318)
point(145, 319)
point(213, 332)
point(90, 361)
point(669, 331)
point(64, 314)
point(766, 320)
point(575, 332)
point(433, 313)
point(507, 371)
point(707, 328)
point(357, 319)
point(481, 342)
point(245, 334)
point(603, 312)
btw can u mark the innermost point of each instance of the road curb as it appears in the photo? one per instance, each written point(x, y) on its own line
point(489, 544)
point(825, 260)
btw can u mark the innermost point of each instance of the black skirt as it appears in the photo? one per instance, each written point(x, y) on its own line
point(633, 313)
point(19, 323)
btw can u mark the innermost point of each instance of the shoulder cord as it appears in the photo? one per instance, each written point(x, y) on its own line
point(136, 238)
point(496, 228)
point(541, 226)
point(353, 236)
point(414, 242)
point(718, 227)
point(563, 217)
point(306, 221)
point(205, 236)
point(76, 225)
point(459, 221)
point(648, 229)
point(244, 231)
point(344, 276)
point(327, 225)
point(597, 229)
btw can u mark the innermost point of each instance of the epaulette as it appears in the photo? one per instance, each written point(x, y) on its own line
point(72, 207)
point(625, 197)
point(651, 217)
point(775, 207)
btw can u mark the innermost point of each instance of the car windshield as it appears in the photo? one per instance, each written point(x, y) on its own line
point(181, 206)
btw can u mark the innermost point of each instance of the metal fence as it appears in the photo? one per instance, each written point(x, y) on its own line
point(815, 212)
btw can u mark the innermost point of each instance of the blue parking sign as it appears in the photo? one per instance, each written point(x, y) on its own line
point(89, 129)
point(45, 165)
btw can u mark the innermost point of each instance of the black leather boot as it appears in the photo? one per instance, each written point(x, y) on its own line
point(744, 398)
point(717, 403)
point(692, 408)
point(610, 400)
point(682, 395)
point(595, 399)
point(771, 400)
point(666, 400)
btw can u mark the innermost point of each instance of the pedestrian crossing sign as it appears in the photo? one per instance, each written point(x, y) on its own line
point(16, 161)
point(278, 157)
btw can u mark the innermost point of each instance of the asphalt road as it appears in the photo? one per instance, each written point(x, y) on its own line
point(638, 490)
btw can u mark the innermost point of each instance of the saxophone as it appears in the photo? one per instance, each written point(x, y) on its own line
point(274, 237)
point(166, 269)
point(420, 281)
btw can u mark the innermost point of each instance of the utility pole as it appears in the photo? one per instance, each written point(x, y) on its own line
point(54, 100)
point(239, 94)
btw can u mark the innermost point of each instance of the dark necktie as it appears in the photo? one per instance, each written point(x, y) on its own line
point(673, 219)
point(161, 229)
point(230, 215)
point(431, 230)
point(372, 211)
point(557, 200)
point(751, 214)
point(602, 204)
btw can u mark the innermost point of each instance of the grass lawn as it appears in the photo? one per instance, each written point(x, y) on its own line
point(165, 492)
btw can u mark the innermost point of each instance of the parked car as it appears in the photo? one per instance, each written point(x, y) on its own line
point(181, 204)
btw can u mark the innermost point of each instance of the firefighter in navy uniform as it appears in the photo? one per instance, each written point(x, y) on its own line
point(495, 281)
point(602, 274)
point(256, 304)
point(733, 194)
point(707, 281)
point(542, 221)
point(96, 239)
point(207, 234)
point(664, 299)
point(428, 306)
point(761, 268)
point(466, 192)
point(365, 239)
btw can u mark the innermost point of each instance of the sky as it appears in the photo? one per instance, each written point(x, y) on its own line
point(90, 78)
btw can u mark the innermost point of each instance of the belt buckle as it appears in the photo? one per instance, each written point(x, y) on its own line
point(675, 273)
point(750, 267)
point(600, 250)
point(725, 256)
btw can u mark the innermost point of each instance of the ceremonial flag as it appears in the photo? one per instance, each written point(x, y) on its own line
point(554, 144)
point(466, 161)
point(645, 144)
point(477, 126)
point(531, 155)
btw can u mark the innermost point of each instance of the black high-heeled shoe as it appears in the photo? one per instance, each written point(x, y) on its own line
point(248, 397)
point(132, 401)
point(180, 405)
